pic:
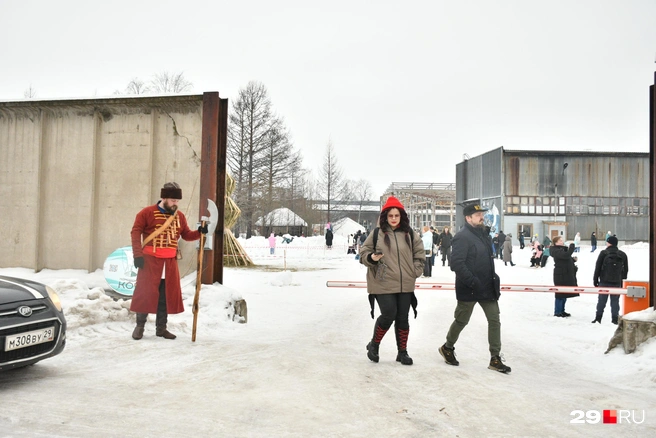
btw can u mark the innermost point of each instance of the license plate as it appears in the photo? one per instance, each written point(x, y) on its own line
point(22, 340)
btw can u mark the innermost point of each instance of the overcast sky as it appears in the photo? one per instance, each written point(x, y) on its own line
point(403, 89)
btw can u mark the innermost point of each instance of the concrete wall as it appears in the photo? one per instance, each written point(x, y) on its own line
point(74, 173)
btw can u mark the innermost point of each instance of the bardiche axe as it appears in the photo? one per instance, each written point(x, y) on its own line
point(206, 243)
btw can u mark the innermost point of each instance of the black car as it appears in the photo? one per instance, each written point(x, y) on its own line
point(32, 323)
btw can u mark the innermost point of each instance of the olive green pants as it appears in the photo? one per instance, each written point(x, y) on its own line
point(462, 314)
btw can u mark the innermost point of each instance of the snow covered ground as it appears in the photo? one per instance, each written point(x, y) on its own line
point(298, 368)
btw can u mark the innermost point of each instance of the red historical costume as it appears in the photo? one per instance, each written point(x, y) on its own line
point(160, 257)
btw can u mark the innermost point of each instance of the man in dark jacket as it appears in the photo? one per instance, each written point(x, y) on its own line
point(445, 245)
point(502, 239)
point(610, 273)
point(476, 282)
point(564, 273)
point(593, 241)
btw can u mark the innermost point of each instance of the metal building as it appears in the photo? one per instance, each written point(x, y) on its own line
point(560, 193)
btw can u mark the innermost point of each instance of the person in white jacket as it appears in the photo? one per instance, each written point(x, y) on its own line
point(427, 239)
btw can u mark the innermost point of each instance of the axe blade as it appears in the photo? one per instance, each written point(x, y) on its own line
point(212, 222)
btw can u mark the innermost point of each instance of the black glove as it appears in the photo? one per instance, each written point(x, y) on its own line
point(139, 262)
point(203, 229)
point(476, 285)
point(595, 282)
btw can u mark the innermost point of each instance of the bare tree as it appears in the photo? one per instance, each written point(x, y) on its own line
point(295, 180)
point(362, 191)
point(30, 93)
point(276, 156)
point(333, 188)
point(249, 136)
point(137, 86)
point(166, 82)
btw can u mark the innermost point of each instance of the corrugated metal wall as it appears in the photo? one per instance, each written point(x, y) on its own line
point(595, 175)
point(479, 178)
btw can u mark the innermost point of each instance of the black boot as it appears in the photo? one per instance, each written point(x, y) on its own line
point(401, 345)
point(372, 347)
point(597, 319)
point(404, 358)
point(372, 351)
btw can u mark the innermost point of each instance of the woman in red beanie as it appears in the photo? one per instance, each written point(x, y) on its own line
point(395, 256)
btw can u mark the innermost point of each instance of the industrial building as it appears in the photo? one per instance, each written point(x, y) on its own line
point(559, 192)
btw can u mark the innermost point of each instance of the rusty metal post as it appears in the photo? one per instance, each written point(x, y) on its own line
point(652, 191)
point(221, 163)
point(208, 158)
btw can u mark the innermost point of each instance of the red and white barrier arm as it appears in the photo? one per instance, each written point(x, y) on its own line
point(504, 288)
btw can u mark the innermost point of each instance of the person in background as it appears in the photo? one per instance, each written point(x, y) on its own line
point(272, 243)
point(507, 250)
point(593, 241)
point(476, 282)
point(329, 237)
point(535, 238)
point(356, 240)
point(502, 240)
point(577, 242)
point(546, 243)
point(611, 268)
point(394, 263)
point(495, 245)
point(427, 240)
point(436, 242)
point(363, 237)
point(155, 234)
point(536, 254)
point(521, 240)
point(445, 245)
point(564, 273)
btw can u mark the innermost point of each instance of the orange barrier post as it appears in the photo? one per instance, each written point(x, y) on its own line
point(635, 304)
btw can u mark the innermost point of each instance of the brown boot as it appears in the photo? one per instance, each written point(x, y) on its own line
point(138, 332)
point(163, 333)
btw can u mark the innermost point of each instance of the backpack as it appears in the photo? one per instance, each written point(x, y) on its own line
point(612, 268)
point(412, 237)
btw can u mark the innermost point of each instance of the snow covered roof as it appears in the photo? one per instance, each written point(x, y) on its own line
point(281, 217)
point(346, 226)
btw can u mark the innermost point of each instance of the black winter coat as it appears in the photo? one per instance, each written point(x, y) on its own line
point(564, 273)
point(471, 260)
point(593, 240)
point(329, 238)
point(599, 276)
point(445, 240)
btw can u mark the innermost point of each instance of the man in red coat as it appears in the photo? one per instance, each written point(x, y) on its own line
point(155, 236)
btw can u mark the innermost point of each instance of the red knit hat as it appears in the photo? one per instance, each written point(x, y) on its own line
point(392, 202)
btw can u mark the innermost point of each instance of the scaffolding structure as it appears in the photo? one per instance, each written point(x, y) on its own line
point(427, 204)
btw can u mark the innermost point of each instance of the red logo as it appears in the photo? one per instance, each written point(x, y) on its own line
point(610, 416)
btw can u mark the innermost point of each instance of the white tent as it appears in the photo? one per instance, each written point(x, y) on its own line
point(281, 217)
point(347, 226)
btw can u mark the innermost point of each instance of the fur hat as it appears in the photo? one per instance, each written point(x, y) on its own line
point(612, 240)
point(171, 190)
point(392, 202)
